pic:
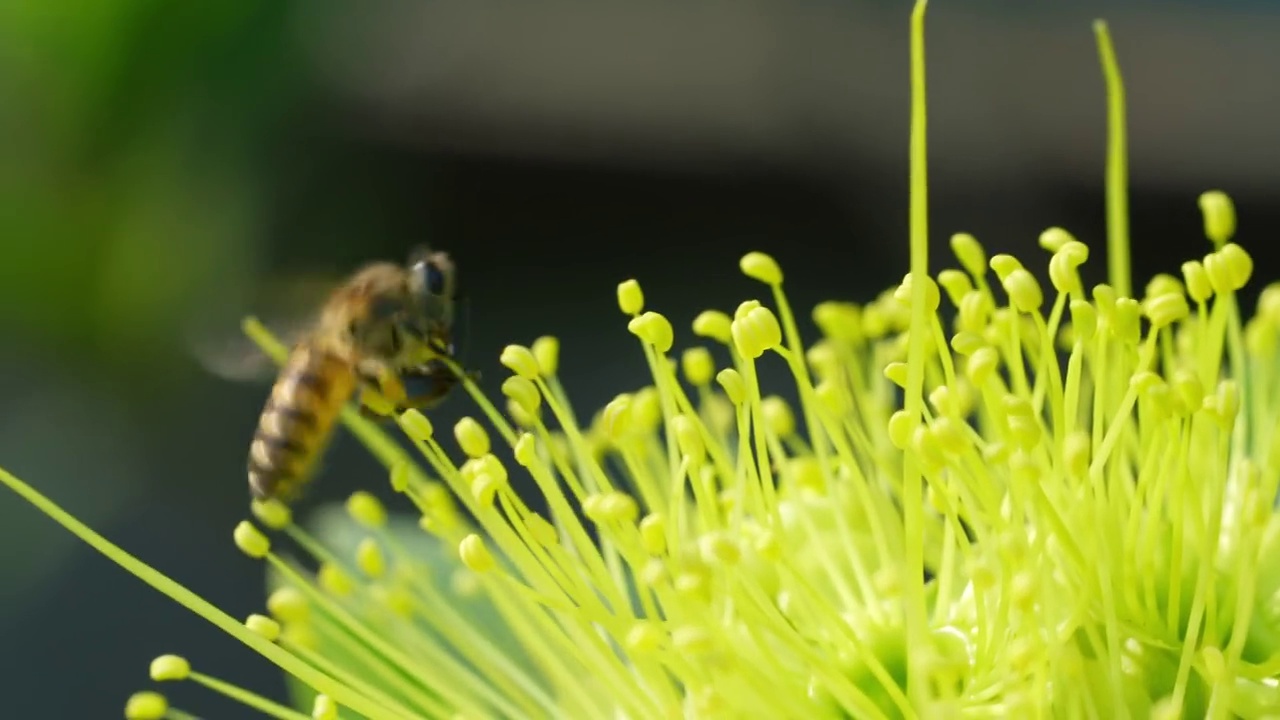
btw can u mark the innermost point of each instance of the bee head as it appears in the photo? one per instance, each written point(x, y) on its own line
point(432, 288)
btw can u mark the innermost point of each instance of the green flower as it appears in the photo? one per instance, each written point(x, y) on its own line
point(1058, 503)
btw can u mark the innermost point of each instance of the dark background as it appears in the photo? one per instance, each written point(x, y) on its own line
point(160, 160)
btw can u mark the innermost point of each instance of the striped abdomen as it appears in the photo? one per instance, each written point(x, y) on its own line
point(297, 421)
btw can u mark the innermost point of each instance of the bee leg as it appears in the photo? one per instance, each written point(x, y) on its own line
point(381, 395)
point(428, 385)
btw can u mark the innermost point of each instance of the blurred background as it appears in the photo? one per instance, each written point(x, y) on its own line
point(162, 161)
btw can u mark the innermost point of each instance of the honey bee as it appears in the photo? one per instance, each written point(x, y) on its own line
point(385, 330)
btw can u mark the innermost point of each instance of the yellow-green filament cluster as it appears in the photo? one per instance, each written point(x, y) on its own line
point(986, 497)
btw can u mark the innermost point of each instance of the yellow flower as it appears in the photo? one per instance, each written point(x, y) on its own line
point(1057, 503)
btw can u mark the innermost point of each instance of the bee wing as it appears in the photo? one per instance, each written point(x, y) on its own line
point(286, 307)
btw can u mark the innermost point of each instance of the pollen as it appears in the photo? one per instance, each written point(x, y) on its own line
point(170, 667)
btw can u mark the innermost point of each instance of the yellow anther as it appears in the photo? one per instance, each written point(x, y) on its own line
point(1229, 268)
point(896, 373)
point(475, 555)
point(471, 437)
point(838, 320)
point(170, 667)
point(1219, 216)
point(519, 360)
point(272, 513)
point(698, 366)
point(688, 437)
point(303, 636)
point(520, 416)
point(1260, 337)
point(1198, 285)
point(715, 325)
point(717, 548)
point(966, 343)
point(335, 580)
point(956, 283)
point(903, 293)
point(526, 450)
point(646, 408)
point(655, 329)
point(969, 252)
point(1228, 399)
point(546, 350)
point(487, 464)
point(1024, 291)
point(653, 573)
point(630, 297)
point(251, 541)
point(616, 419)
point(1215, 664)
point(416, 425)
point(1269, 303)
point(146, 706)
point(806, 473)
point(948, 435)
point(983, 575)
point(1023, 590)
point(288, 605)
point(762, 267)
point(1004, 265)
point(653, 533)
point(1076, 452)
point(543, 532)
point(523, 393)
point(831, 397)
point(766, 545)
point(610, 507)
point(645, 636)
point(1104, 300)
point(823, 359)
point(324, 708)
point(902, 426)
point(366, 510)
point(401, 473)
point(1126, 320)
point(369, 558)
point(778, 418)
point(981, 365)
point(484, 488)
point(1167, 309)
point(1165, 284)
point(691, 639)
point(734, 386)
point(1054, 238)
point(264, 626)
point(1084, 320)
point(975, 308)
point(1063, 274)
point(756, 331)
point(744, 307)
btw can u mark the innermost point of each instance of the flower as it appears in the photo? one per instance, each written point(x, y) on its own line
point(1057, 503)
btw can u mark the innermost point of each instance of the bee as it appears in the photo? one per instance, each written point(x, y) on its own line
point(385, 331)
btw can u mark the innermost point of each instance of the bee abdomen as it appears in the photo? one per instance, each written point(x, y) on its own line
point(296, 423)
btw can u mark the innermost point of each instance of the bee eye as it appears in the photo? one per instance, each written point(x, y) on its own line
point(435, 280)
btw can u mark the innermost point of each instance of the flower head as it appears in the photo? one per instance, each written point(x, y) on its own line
point(989, 497)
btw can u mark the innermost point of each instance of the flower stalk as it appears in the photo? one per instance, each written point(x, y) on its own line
point(1057, 503)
